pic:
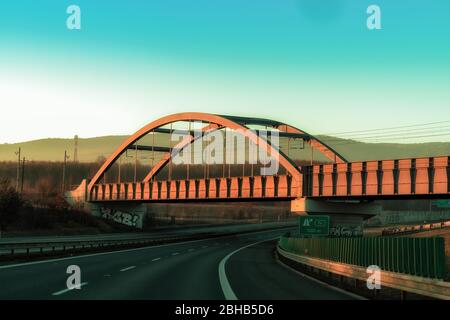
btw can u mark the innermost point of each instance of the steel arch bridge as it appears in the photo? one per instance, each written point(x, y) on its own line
point(312, 188)
point(149, 188)
point(340, 179)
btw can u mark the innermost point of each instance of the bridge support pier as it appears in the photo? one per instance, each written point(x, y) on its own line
point(346, 217)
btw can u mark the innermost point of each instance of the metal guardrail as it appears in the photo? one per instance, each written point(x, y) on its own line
point(8, 250)
point(416, 228)
point(424, 286)
point(424, 257)
point(64, 246)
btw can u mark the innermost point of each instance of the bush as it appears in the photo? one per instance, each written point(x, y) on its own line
point(10, 202)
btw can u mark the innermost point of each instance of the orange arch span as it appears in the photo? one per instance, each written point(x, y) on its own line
point(220, 121)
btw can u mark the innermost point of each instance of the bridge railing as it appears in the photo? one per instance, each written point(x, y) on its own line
point(372, 178)
point(282, 186)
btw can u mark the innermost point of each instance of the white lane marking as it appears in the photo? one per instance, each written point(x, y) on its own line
point(156, 259)
point(174, 253)
point(126, 250)
point(58, 293)
point(224, 283)
point(329, 286)
point(127, 268)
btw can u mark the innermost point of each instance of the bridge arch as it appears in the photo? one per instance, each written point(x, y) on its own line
point(217, 122)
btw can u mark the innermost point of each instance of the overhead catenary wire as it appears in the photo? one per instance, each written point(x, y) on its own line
point(397, 132)
point(385, 128)
point(346, 142)
point(416, 131)
point(386, 137)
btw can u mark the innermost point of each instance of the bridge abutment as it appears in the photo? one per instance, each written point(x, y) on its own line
point(127, 214)
point(346, 217)
point(130, 214)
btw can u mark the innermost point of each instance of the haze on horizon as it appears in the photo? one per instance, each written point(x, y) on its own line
point(313, 65)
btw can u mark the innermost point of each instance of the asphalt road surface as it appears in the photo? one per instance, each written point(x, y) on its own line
point(156, 233)
point(243, 266)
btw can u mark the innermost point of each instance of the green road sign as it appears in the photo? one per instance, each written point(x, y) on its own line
point(442, 204)
point(314, 225)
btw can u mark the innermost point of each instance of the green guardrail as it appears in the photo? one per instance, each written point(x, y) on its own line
point(423, 257)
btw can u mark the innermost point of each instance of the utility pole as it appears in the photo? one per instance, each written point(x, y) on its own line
point(18, 170)
point(190, 150)
point(135, 162)
point(120, 160)
point(170, 153)
point(63, 187)
point(75, 149)
point(23, 174)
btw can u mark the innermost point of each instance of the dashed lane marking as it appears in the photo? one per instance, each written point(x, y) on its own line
point(58, 293)
point(127, 268)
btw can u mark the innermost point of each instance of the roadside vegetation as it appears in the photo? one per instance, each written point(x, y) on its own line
point(18, 216)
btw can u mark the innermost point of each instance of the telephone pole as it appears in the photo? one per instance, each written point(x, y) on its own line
point(75, 149)
point(120, 163)
point(23, 174)
point(18, 170)
point(63, 187)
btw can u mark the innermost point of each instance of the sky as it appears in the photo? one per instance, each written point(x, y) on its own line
point(313, 64)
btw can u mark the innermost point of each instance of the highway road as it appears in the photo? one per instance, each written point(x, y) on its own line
point(156, 233)
point(241, 266)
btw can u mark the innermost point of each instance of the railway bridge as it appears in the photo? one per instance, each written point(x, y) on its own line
point(199, 157)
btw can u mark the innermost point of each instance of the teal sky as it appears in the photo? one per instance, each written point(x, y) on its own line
point(311, 63)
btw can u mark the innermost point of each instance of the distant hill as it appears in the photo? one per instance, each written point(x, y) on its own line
point(90, 149)
point(53, 149)
point(360, 151)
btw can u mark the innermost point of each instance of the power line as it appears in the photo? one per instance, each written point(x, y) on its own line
point(387, 128)
point(396, 132)
point(346, 142)
point(395, 137)
point(392, 136)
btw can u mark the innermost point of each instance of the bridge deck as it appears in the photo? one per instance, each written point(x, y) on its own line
point(407, 178)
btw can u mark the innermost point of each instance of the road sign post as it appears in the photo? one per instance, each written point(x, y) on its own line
point(314, 225)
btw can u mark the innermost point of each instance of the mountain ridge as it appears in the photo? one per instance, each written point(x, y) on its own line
point(90, 149)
